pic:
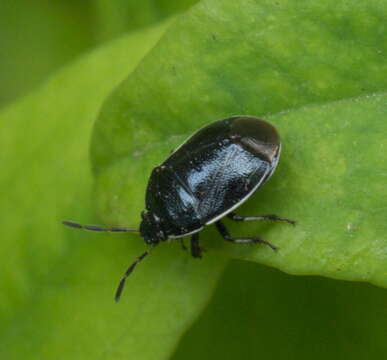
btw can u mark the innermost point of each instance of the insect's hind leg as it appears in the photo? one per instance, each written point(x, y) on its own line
point(196, 250)
point(245, 240)
point(237, 217)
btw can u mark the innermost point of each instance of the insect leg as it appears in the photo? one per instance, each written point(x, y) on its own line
point(196, 251)
point(237, 217)
point(246, 240)
point(128, 272)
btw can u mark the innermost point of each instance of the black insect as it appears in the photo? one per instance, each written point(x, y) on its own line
point(205, 179)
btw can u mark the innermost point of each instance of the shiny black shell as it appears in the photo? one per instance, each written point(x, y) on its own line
point(213, 172)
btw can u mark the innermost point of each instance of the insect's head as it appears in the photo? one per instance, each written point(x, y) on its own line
point(151, 229)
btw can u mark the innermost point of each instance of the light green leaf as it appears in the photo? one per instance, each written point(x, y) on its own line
point(267, 59)
point(57, 284)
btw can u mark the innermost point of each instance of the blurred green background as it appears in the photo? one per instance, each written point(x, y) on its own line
point(37, 37)
point(255, 312)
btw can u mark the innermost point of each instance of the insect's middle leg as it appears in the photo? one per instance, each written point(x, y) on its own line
point(196, 251)
point(245, 240)
point(236, 217)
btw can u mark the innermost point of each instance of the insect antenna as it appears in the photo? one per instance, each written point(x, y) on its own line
point(98, 228)
point(129, 271)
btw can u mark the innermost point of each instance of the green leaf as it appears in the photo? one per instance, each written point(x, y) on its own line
point(57, 284)
point(269, 59)
point(114, 17)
